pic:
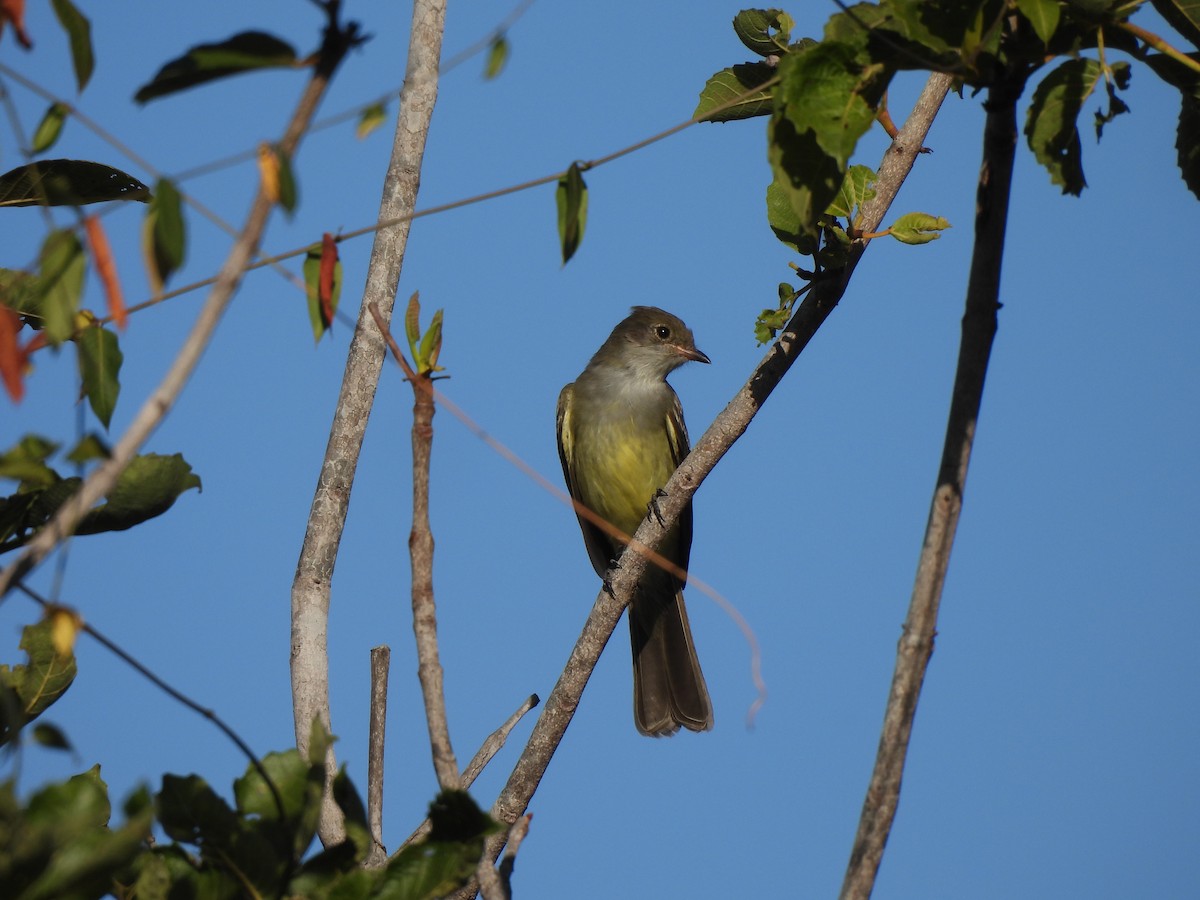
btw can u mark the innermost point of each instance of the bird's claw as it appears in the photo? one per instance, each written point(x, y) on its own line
point(652, 506)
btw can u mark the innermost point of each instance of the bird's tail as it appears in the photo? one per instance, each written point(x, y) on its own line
point(668, 686)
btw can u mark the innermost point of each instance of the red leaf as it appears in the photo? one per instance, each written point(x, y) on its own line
point(329, 258)
point(106, 268)
point(13, 359)
point(14, 11)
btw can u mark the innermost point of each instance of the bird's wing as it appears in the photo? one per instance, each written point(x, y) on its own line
point(677, 437)
point(600, 547)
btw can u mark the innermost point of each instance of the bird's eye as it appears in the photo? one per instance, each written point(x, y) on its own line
point(662, 331)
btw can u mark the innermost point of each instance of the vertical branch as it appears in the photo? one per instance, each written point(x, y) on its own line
point(381, 660)
point(916, 641)
point(420, 549)
point(327, 516)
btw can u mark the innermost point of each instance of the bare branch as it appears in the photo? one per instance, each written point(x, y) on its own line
point(381, 659)
point(160, 401)
point(916, 641)
point(716, 441)
point(424, 608)
point(482, 757)
point(327, 517)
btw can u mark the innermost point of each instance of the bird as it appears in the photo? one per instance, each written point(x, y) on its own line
point(621, 434)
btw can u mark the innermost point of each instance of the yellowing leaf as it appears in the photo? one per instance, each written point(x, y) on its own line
point(65, 625)
point(372, 117)
point(268, 172)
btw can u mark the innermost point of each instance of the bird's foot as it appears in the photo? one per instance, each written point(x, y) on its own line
point(652, 506)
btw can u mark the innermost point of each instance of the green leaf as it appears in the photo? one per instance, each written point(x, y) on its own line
point(35, 684)
point(79, 33)
point(918, 228)
point(164, 234)
point(571, 197)
point(855, 191)
point(243, 52)
point(1043, 15)
point(62, 263)
point(148, 487)
point(50, 736)
point(26, 462)
point(431, 346)
point(765, 31)
point(1187, 142)
point(372, 117)
point(300, 786)
point(100, 361)
point(448, 858)
point(20, 291)
point(784, 221)
point(50, 127)
point(190, 811)
point(412, 323)
point(89, 448)
point(68, 182)
point(1183, 16)
point(287, 182)
point(1051, 127)
point(828, 91)
point(496, 58)
point(729, 84)
point(30, 508)
point(805, 176)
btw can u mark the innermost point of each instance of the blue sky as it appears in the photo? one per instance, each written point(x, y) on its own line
point(1054, 747)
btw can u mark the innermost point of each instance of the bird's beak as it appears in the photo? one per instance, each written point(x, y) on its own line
point(692, 353)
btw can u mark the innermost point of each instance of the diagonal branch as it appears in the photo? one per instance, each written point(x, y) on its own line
point(916, 641)
point(327, 517)
point(716, 441)
point(158, 404)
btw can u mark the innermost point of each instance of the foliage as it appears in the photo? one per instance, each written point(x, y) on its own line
point(59, 843)
point(822, 97)
point(147, 488)
point(28, 689)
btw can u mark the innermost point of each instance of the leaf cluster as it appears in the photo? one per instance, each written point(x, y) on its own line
point(60, 843)
point(822, 97)
point(148, 487)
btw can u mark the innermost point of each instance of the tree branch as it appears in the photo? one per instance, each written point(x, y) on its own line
point(381, 659)
point(916, 641)
point(716, 441)
point(488, 749)
point(158, 404)
point(327, 517)
point(420, 549)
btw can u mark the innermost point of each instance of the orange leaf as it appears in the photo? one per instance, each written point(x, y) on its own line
point(14, 11)
point(106, 268)
point(12, 358)
point(268, 171)
point(329, 258)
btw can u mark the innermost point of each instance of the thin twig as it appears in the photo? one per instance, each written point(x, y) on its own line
point(496, 883)
point(160, 401)
point(716, 441)
point(381, 658)
point(357, 111)
point(364, 359)
point(487, 750)
point(137, 159)
point(402, 219)
point(916, 641)
point(420, 549)
point(174, 693)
